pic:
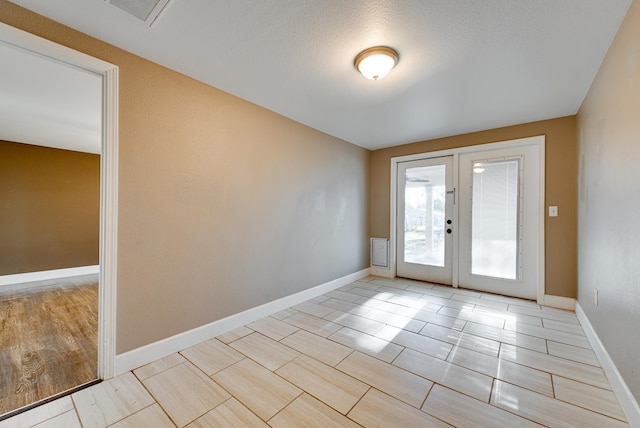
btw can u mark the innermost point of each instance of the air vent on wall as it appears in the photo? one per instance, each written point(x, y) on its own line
point(145, 10)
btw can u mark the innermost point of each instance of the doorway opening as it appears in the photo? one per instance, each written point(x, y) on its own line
point(49, 54)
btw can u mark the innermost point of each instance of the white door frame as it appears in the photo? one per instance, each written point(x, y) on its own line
point(108, 178)
point(538, 141)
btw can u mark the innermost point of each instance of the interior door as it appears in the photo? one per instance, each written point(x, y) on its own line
point(498, 221)
point(425, 220)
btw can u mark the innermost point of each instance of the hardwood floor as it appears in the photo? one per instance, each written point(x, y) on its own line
point(48, 343)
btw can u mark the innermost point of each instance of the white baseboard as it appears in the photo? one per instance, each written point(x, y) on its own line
point(382, 272)
point(559, 302)
point(154, 351)
point(623, 393)
point(21, 281)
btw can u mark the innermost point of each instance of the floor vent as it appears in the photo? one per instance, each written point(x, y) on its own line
point(145, 10)
point(380, 252)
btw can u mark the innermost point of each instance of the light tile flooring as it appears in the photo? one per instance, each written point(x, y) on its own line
point(375, 353)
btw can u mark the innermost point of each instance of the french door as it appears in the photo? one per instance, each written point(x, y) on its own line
point(496, 204)
point(425, 224)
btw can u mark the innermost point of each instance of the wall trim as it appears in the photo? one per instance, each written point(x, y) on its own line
point(154, 351)
point(559, 302)
point(44, 277)
point(382, 272)
point(627, 401)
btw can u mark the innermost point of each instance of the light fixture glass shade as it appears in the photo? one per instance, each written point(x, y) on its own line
point(375, 63)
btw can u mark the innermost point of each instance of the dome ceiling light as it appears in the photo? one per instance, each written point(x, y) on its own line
point(375, 63)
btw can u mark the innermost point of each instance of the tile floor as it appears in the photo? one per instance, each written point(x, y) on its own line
point(375, 353)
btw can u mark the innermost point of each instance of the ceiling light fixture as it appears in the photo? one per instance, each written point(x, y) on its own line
point(375, 63)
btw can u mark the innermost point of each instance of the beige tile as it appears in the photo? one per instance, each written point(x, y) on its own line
point(262, 391)
point(509, 316)
point(378, 410)
point(444, 301)
point(545, 410)
point(506, 336)
point(587, 396)
point(313, 324)
point(151, 416)
point(185, 393)
point(363, 291)
point(356, 322)
point(426, 345)
point(547, 313)
point(212, 356)
point(545, 333)
point(395, 320)
point(341, 295)
point(307, 412)
point(39, 414)
point(455, 337)
point(563, 326)
point(462, 411)
point(229, 414)
point(272, 328)
point(284, 314)
point(387, 307)
point(325, 350)
point(476, 300)
point(574, 353)
point(234, 334)
point(438, 319)
point(109, 401)
point(526, 377)
point(392, 380)
point(473, 316)
point(343, 306)
point(329, 385)
point(450, 375)
point(554, 365)
point(314, 309)
point(67, 420)
point(510, 300)
point(264, 350)
point(371, 345)
point(159, 366)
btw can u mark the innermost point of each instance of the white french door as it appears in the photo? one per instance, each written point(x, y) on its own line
point(495, 240)
point(425, 222)
point(498, 232)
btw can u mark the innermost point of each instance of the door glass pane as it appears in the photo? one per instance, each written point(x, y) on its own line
point(425, 193)
point(495, 219)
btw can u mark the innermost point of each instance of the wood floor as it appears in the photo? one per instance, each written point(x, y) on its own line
point(48, 343)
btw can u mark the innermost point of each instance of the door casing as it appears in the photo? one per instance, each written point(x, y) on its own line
point(537, 141)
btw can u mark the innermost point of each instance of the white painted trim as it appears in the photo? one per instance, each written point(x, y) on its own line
point(154, 351)
point(539, 140)
point(46, 276)
point(559, 302)
point(108, 178)
point(382, 272)
point(627, 401)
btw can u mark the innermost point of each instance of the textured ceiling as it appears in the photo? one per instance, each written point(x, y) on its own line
point(465, 65)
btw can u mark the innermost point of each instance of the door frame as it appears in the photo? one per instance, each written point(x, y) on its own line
point(538, 141)
point(108, 178)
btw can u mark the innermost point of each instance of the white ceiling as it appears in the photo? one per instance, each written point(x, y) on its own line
point(47, 103)
point(465, 65)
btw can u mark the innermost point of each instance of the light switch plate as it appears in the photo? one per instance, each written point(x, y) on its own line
point(553, 211)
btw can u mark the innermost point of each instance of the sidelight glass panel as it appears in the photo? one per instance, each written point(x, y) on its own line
point(424, 229)
point(495, 219)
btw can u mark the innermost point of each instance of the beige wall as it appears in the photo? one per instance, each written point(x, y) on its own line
point(223, 205)
point(49, 208)
point(561, 188)
point(609, 201)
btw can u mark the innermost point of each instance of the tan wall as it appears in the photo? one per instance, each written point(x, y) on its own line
point(223, 205)
point(609, 201)
point(49, 208)
point(561, 188)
